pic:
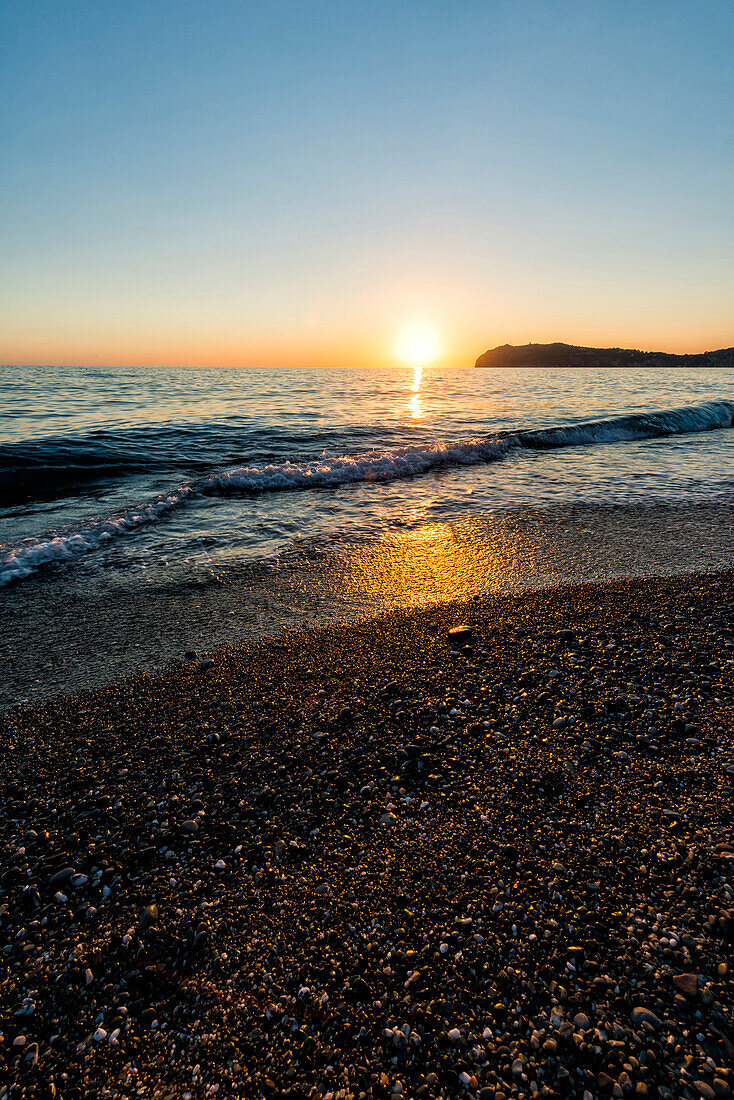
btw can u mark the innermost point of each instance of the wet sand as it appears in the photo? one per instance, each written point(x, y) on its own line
point(369, 860)
point(85, 625)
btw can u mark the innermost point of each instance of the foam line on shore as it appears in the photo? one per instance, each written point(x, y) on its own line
point(24, 560)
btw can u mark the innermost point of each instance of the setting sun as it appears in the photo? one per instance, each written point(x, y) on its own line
point(417, 344)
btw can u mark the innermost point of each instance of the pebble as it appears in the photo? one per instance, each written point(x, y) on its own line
point(61, 877)
point(687, 984)
point(645, 1016)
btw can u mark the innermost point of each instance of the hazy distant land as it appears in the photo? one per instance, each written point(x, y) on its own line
point(568, 355)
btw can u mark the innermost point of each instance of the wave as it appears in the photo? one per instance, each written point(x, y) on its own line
point(22, 561)
point(691, 418)
point(328, 473)
point(373, 466)
point(405, 462)
point(55, 466)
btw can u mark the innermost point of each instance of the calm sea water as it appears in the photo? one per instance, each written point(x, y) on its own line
point(161, 470)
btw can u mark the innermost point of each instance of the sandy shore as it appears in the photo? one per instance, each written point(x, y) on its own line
point(370, 861)
point(81, 627)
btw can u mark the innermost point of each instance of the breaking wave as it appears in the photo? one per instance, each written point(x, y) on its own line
point(30, 556)
point(373, 466)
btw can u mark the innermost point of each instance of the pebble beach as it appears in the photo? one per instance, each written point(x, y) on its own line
point(391, 858)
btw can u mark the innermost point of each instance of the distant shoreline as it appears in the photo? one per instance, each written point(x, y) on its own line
point(570, 355)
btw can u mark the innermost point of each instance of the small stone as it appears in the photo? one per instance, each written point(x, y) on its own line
point(388, 819)
point(461, 635)
point(149, 917)
point(687, 984)
point(645, 1016)
point(581, 1022)
point(190, 826)
point(62, 876)
point(361, 989)
point(705, 1090)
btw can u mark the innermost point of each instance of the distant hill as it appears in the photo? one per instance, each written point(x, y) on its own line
point(568, 355)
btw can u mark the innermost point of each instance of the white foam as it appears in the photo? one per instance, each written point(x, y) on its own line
point(21, 561)
point(404, 462)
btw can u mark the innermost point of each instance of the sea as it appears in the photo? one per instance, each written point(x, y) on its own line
point(374, 488)
point(157, 469)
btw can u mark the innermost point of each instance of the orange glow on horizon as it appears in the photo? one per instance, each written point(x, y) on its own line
point(139, 345)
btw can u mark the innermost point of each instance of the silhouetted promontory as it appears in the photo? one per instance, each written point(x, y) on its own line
point(569, 355)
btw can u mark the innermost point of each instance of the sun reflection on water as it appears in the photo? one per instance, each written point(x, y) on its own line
point(415, 407)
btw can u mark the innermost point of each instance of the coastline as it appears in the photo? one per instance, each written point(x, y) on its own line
point(82, 629)
point(358, 860)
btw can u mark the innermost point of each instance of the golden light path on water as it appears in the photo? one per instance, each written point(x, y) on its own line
point(414, 406)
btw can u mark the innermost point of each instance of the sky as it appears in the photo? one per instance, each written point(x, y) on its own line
point(292, 183)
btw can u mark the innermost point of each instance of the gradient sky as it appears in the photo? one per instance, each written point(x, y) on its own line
point(289, 183)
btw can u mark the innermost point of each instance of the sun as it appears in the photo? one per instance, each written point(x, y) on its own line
point(417, 344)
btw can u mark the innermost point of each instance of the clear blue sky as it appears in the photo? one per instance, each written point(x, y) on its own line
point(289, 182)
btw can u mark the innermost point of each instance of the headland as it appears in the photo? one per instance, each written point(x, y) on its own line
point(569, 355)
